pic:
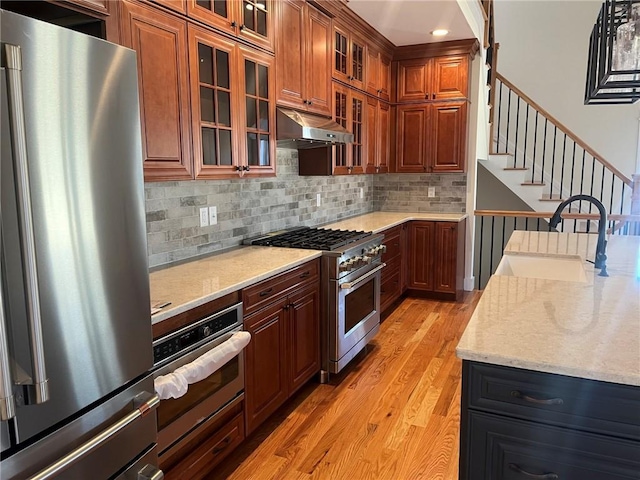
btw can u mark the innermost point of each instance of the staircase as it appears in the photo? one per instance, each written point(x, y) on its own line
point(543, 162)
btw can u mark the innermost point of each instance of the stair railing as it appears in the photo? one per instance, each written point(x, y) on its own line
point(551, 153)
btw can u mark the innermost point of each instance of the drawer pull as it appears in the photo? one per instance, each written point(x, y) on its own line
point(266, 292)
point(527, 398)
point(305, 274)
point(222, 445)
point(543, 476)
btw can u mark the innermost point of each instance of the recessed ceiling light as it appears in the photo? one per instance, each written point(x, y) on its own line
point(440, 32)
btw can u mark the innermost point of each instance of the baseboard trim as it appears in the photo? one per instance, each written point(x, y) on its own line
point(469, 284)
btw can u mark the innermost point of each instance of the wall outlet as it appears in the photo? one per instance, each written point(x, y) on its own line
point(361, 192)
point(204, 217)
point(431, 192)
point(213, 215)
point(318, 200)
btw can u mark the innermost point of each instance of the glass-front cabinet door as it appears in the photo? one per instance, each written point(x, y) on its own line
point(252, 20)
point(214, 111)
point(341, 116)
point(358, 101)
point(258, 100)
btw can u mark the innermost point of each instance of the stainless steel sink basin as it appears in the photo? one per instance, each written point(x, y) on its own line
point(535, 266)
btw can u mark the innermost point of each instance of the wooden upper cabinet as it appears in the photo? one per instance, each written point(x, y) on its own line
point(437, 78)
point(378, 73)
point(350, 53)
point(350, 111)
point(257, 137)
point(378, 134)
point(449, 136)
point(177, 5)
point(414, 78)
point(342, 116)
point(358, 122)
point(252, 20)
point(412, 138)
point(214, 107)
point(450, 77)
point(160, 41)
point(303, 57)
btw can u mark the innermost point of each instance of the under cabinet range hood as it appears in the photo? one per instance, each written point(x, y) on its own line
point(303, 130)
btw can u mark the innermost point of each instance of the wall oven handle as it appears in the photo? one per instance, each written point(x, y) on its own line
point(349, 285)
point(12, 61)
point(141, 409)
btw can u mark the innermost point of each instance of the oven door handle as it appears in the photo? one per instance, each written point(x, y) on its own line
point(350, 285)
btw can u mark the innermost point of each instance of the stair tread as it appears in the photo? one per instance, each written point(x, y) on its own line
point(501, 154)
point(516, 168)
point(552, 199)
point(533, 184)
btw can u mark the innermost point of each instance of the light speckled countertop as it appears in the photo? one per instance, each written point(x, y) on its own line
point(378, 221)
point(587, 330)
point(193, 283)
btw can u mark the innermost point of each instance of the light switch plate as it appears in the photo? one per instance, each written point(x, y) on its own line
point(318, 200)
point(213, 215)
point(431, 192)
point(361, 192)
point(204, 217)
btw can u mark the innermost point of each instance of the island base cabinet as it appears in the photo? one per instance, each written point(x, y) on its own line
point(502, 448)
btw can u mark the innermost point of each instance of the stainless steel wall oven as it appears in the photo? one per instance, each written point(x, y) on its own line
point(209, 398)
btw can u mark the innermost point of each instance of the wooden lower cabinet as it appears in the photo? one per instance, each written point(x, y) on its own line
point(436, 257)
point(196, 456)
point(518, 424)
point(392, 284)
point(284, 352)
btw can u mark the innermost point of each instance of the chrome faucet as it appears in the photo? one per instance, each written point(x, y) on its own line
point(601, 257)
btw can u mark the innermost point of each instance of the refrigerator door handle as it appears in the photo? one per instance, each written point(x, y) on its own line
point(141, 408)
point(7, 401)
point(12, 62)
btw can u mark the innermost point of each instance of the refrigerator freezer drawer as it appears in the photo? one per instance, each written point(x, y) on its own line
point(106, 460)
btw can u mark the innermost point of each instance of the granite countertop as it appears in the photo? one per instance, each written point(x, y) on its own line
point(379, 221)
point(193, 283)
point(587, 330)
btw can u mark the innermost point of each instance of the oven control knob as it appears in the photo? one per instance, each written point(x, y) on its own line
point(345, 266)
point(206, 331)
point(366, 260)
point(383, 248)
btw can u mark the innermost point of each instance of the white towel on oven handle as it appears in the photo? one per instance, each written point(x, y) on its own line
point(175, 384)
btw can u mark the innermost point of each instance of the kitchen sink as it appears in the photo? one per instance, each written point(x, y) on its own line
point(536, 266)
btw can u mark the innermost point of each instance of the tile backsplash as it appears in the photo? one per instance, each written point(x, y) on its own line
point(249, 207)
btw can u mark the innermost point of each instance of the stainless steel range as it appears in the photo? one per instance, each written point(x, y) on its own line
point(350, 276)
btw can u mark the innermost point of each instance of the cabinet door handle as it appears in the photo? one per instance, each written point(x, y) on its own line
point(305, 274)
point(222, 445)
point(549, 401)
point(266, 292)
point(543, 476)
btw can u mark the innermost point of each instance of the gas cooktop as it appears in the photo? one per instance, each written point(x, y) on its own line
point(309, 238)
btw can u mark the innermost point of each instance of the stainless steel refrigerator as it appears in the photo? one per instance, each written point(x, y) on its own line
point(76, 397)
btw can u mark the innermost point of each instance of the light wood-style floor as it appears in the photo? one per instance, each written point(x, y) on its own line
point(393, 415)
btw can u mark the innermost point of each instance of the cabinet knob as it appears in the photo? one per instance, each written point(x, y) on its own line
point(234, 24)
point(309, 102)
point(246, 168)
point(305, 101)
point(241, 27)
point(238, 168)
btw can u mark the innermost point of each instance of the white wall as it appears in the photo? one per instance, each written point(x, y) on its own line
point(543, 51)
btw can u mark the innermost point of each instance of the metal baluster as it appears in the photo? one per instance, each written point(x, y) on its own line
point(526, 223)
point(564, 151)
point(622, 197)
point(504, 224)
point(553, 160)
point(573, 166)
point(480, 284)
point(602, 183)
point(493, 223)
point(581, 180)
point(515, 145)
point(544, 146)
point(535, 141)
point(499, 119)
point(506, 142)
point(526, 138)
point(613, 187)
point(593, 171)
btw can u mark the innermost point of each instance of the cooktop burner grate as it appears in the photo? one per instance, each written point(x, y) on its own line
point(312, 238)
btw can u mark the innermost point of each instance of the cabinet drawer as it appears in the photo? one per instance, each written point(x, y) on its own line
point(210, 453)
point(393, 243)
point(263, 293)
point(390, 287)
point(510, 449)
point(589, 405)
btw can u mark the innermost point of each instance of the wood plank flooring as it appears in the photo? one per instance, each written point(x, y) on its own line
point(394, 414)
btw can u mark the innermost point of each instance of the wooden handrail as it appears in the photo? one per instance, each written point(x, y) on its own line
point(566, 130)
point(545, 215)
